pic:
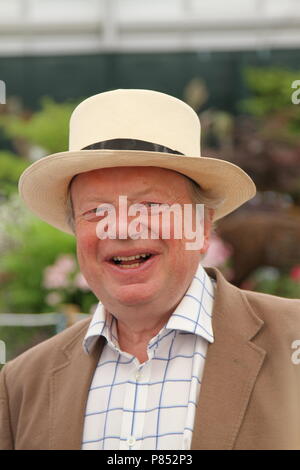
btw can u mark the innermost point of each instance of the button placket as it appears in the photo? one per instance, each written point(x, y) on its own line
point(144, 374)
point(131, 441)
point(138, 376)
point(126, 427)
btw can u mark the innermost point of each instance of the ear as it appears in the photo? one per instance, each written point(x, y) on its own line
point(208, 220)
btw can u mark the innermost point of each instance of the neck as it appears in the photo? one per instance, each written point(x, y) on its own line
point(134, 337)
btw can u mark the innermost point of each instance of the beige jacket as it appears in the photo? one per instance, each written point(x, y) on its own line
point(249, 398)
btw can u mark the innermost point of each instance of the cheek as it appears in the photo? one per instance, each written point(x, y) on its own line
point(180, 257)
point(86, 245)
point(176, 254)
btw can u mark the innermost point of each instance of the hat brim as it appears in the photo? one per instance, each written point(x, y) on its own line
point(43, 186)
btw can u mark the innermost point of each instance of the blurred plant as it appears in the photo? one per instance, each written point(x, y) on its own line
point(14, 219)
point(267, 138)
point(11, 167)
point(271, 90)
point(32, 135)
point(271, 103)
point(295, 273)
point(271, 281)
point(195, 93)
point(218, 252)
point(27, 246)
point(47, 128)
point(217, 125)
point(219, 255)
point(65, 284)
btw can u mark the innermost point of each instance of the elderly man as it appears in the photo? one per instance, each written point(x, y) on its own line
point(174, 357)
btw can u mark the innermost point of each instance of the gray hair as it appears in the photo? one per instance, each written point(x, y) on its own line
point(209, 199)
point(198, 195)
point(70, 208)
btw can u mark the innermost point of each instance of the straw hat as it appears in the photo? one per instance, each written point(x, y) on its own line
point(131, 128)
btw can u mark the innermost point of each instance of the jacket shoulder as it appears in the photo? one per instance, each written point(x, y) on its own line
point(269, 308)
point(45, 351)
point(269, 304)
point(280, 315)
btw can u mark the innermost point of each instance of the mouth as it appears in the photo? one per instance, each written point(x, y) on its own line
point(131, 262)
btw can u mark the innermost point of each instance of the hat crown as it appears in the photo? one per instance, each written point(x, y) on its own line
point(144, 115)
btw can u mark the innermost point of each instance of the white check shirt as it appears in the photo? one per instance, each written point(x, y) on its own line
point(150, 405)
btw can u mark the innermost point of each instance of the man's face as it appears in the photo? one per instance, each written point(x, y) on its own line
point(159, 283)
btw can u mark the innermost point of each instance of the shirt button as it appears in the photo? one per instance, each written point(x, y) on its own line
point(138, 376)
point(131, 441)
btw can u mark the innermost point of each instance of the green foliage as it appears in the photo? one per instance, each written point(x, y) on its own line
point(27, 244)
point(37, 246)
point(48, 128)
point(30, 246)
point(282, 287)
point(270, 88)
point(11, 167)
point(272, 281)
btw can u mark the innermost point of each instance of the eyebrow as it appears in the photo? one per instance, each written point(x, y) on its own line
point(93, 199)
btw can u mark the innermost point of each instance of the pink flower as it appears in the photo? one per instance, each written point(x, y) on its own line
point(57, 275)
point(80, 282)
point(66, 264)
point(54, 278)
point(53, 298)
point(218, 252)
point(295, 273)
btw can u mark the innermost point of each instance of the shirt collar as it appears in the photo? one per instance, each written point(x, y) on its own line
point(192, 315)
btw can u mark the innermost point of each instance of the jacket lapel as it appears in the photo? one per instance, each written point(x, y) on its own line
point(69, 386)
point(231, 368)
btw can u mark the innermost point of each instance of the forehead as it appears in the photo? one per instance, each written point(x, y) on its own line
point(112, 178)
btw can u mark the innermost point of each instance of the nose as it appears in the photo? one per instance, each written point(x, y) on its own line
point(125, 222)
point(132, 223)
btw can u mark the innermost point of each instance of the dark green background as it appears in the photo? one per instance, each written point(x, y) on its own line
point(79, 76)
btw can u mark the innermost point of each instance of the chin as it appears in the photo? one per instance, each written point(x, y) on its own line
point(131, 296)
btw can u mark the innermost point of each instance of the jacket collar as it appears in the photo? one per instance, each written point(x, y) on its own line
point(232, 365)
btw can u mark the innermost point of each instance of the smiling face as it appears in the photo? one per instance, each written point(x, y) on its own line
point(159, 282)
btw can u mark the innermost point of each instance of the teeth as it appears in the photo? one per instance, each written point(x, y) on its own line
point(130, 258)
point(134, 265)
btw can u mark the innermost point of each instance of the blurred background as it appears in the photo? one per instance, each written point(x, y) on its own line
point(235, 62)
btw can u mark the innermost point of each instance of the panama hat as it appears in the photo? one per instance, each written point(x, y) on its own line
point(131, 128)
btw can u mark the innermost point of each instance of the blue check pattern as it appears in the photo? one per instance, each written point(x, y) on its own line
point(151, 405)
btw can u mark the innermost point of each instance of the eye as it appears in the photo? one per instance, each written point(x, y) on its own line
point(152, 203)
point(156, 207)
point(90, 215)
point(97, 213)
